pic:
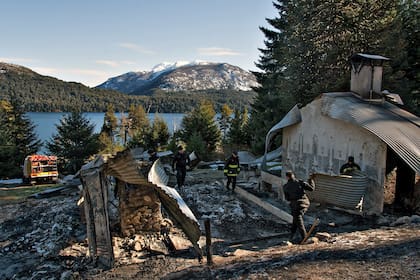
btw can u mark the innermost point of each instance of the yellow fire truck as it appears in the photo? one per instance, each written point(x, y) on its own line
point(40, 168)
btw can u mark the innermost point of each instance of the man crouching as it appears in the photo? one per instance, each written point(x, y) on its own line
point(294, 192)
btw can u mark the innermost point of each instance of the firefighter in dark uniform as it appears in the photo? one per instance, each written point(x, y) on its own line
point(232, 170)
point(349, 166)
point(294, 192)
point(180, 162)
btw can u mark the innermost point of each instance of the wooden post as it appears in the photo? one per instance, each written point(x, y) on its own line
point(208, 242)
point(96, 208)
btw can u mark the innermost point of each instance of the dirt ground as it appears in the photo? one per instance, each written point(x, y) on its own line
point(44, 238)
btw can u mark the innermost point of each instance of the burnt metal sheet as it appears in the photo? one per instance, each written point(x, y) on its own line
point(291, 118)
point(342, 190)
point(397, 128)
point(175, 205)
point(125, 167)
point(369, 56)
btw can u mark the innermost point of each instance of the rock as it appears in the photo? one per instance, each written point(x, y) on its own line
point(401, 221)
point(383, 221)
point(323, 236)
point(415, 219)
point(312, 240)
point(66, 275)
point(158, 247)
point(179, 242)
point(137, 246)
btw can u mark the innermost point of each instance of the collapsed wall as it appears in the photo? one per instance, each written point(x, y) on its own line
point(139, 209)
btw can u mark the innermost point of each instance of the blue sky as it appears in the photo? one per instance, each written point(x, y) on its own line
point(89, 41)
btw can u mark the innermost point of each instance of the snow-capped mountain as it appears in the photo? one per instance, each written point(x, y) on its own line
point(183, 76)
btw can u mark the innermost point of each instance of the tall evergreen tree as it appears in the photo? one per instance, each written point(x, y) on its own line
point(109, 131)
point(74, 142)
point(272, 101)
point(238, 133)
point(403, 77)
point(307, 50)
point(139, 126)
point(18, 138)
point(8, 164)
point(224, 120)
point(201, 121)
point(159, 133)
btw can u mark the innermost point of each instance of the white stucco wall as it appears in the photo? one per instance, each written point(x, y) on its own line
point(321, 144)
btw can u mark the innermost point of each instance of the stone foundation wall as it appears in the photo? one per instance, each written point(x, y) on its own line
point(140, 209)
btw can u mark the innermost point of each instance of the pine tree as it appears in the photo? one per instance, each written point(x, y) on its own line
point(8, 150)
point(159, 133)
point(74, 142)
point(202, 122)
point(238, 134)
point(107, 136)
point(139, 126)
point(272, 101)
point(307, 49)
point(18, 138)
point(224, 120)
point(403, 76)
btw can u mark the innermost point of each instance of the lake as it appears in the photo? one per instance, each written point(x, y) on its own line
point(45, 123)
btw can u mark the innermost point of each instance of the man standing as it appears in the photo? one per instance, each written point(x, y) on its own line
point(180, 162)
point(349, 167)
point(294, 192)
point(152, 155)
point(232, 170)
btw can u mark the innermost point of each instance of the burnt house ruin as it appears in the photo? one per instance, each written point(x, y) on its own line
point(140, 188)
point(366, 123)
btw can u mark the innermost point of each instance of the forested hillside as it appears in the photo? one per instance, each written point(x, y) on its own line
point(39, 93)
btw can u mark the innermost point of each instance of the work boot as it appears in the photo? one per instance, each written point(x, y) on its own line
point(292, 238)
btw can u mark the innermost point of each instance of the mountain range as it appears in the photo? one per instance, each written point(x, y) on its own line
point(183, 76)
point(168, 88)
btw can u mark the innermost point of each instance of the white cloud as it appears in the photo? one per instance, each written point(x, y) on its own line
point(214, 51)
point(17, 60)
point(108, 63)
point(46, 70)
point(114, 63)
point(136, 48)
point(88, 77)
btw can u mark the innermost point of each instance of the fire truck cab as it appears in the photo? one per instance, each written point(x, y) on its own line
point(40, 169)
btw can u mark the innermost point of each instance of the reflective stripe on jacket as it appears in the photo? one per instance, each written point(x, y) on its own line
point(232, 167)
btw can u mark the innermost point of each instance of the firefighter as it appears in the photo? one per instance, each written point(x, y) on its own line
point(349, 166)
point(294, 192)
point(232, 170)
point(180, 162)
point(153, 156)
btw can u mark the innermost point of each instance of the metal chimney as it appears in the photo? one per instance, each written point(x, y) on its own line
point(366, 75)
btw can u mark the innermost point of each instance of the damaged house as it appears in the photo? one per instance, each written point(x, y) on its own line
point(365, 123)
point(137, 189)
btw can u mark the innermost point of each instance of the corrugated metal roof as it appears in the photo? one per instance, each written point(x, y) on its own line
point(369, 56)
point(344, 191)
point(175, 205)
point(292, 117)
point(399, 129)
point(125, 167)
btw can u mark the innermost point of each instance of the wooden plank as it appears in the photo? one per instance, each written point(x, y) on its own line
point(90, 225)
point(265, 205)
point(209, 250)
point(98, 195)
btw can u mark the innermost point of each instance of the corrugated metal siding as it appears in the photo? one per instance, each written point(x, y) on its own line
point(125, 167)
point(344, 191)
point(396, 127)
